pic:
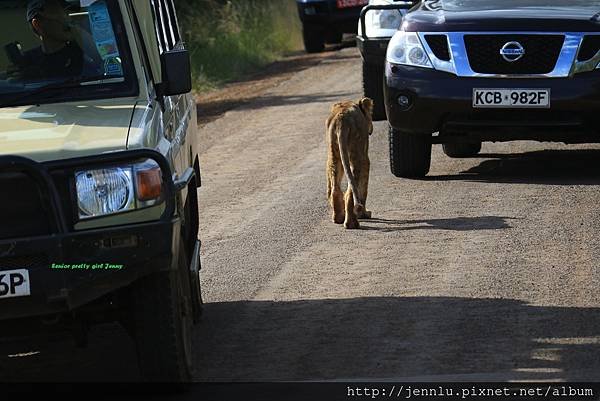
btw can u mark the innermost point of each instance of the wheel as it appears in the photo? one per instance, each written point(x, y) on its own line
point(410, 155)
point(334, 37)
point(314, 40)
point(372, 80)
point(196, 293)
point(190, 237)
point(461, 149)
point(162, 326)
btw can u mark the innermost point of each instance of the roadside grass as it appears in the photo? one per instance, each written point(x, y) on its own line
point(228, 39)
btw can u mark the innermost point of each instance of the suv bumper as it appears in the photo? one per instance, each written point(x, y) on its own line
point(140, 249)
point(443, 102)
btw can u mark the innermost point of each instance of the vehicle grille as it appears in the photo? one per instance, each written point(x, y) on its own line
point(24, 262)
point(541, 53)
point(589, 47)
point(22, 212)
point(439, 46)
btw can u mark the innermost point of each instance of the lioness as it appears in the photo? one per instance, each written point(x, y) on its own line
point(348, 128)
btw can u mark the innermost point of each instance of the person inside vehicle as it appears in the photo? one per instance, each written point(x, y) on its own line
point(61, 53)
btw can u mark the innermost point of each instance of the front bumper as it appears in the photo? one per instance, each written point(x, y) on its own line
point(69, 268)
point(56, 289)
point(442, 102)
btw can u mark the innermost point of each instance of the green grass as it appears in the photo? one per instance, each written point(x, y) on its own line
point(228, 39)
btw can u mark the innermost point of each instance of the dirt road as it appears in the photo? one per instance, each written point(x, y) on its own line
point(486, 270)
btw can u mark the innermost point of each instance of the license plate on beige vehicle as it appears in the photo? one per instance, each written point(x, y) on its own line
point(511, 98)
point(14, 283)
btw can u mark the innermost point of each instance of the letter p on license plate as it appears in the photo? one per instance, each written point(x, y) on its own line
point(511, 98)
point(14, 283)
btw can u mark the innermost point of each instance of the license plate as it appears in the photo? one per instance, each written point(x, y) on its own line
point(14, 283)
point(351, 3)
point(511, 98)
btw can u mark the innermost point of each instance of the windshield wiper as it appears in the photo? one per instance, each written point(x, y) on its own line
point(69, 83)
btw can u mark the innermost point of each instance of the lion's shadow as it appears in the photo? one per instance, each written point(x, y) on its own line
point(453, 224)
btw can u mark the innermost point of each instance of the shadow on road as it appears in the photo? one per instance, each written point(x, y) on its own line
point(357, 338)
point(454, 224)
point(546, 167)
point(364, 338)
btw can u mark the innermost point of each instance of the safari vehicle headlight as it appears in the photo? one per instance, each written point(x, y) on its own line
point(406, 48)
point(116, 189)
point(386, 19)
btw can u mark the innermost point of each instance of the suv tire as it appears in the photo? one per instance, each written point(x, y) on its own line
point(162, 320)
point(190, 236)
point(334, 37)
point(314, 40)
point(458, 150)
point(372, 81)
point(410, 155)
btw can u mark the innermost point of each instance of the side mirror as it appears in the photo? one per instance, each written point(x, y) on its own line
point(176, 73)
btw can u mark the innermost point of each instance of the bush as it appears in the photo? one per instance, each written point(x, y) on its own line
point(228, 39)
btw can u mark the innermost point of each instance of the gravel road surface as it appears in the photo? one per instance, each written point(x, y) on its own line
point(485, 270)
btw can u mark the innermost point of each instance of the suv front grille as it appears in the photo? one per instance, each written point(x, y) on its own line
point(22, 212)
point(589, 47)
point(439, 46)
point(541, 53)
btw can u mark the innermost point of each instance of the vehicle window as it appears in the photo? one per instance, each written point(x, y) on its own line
point(51, 41)
point(166, 24)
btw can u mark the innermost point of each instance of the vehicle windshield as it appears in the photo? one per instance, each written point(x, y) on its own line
point(57, 50)
point(473, 5)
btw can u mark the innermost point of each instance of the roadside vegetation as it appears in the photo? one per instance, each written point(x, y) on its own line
point(228, 39)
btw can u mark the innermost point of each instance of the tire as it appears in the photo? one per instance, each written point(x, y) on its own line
point(162, 327)
point(372, 80)
point(334, 37)
point(461, 149)
point(314, 40)
point(196, 294)
point(410, 155)
point(190, 236)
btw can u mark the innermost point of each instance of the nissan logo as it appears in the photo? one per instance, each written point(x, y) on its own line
point(512, 51)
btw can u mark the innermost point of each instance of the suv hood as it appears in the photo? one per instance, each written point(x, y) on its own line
point(504, 15)
point(66, 130)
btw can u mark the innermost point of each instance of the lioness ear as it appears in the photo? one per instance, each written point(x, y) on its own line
point(366, 104)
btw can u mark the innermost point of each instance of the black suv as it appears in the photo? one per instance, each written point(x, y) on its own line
point(325, 21)
point(491, 70)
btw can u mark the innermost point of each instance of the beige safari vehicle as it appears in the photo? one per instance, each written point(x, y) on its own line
point(99, 171)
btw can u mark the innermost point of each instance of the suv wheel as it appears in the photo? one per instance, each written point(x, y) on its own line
point(461, 149)
point(162, 326)
point(314, 40)
point(410, 155)
point(372, 80)
point(335, 37)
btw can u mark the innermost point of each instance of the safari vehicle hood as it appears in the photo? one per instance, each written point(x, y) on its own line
point(65, 130)
point(504, 15)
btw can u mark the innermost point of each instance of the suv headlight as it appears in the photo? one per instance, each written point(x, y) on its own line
point(117, 189)
point(406, 48)
point(386, 19)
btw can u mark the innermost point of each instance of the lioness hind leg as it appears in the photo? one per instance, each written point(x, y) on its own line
point(363, 187)
point(334, 192)
point(351, 221)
